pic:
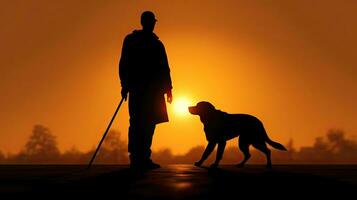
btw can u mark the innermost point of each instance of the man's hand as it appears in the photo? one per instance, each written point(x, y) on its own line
point(124, 93)
point(169, 96)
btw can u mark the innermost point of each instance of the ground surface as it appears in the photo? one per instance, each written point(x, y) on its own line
point(179, 181)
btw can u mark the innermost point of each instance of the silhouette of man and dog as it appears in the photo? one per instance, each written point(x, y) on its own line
point(145, 75)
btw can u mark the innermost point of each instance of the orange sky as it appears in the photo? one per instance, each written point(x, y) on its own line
point(291, 63)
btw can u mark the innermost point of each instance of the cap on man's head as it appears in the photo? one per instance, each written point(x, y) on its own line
point(148, 16)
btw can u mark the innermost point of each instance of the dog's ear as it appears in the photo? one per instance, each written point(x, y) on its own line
point(207, 108)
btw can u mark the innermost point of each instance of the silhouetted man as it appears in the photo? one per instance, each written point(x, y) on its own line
point(145, 74)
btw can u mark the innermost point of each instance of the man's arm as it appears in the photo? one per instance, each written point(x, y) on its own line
point(124, 68)
point(166, 74)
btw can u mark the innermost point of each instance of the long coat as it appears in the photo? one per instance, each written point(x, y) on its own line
point(144, 71)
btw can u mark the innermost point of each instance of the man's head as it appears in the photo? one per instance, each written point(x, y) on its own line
point(148, 21)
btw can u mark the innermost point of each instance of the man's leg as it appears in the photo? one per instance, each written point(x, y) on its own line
point(149, 133)
point(133, 143)
point(136, 130)
point(139, 144)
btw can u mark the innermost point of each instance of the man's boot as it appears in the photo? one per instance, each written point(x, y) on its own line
point(149, 164)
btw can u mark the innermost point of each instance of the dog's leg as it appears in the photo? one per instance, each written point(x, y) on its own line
point(210, 147)
point(220, 151)
point(244, 147)
point(263, 148)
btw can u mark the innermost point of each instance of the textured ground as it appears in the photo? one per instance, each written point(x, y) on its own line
point(179, 181)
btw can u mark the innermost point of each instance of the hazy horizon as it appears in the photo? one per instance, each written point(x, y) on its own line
point(42, 147)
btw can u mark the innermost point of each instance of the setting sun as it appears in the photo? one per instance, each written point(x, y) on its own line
point(181, 105)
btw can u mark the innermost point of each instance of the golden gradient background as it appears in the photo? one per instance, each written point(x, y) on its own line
point(291, 63)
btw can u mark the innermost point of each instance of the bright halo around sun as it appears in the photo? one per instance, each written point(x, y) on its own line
point(181, 105)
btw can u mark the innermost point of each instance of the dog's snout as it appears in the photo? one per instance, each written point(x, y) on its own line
point(192, 109)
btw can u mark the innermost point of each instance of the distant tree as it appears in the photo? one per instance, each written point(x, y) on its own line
point(321, 145)
point(41, 146)
point(342, 148)
point(192, 155)
point(113, 150)
point(164, 156)
point(72, 156)
point(290, 145)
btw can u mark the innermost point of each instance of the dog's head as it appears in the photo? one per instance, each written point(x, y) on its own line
point(201, 109)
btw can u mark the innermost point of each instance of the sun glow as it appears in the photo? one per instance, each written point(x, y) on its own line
point(181, 106)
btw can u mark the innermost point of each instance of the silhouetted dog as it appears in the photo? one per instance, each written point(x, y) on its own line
point(220, 126)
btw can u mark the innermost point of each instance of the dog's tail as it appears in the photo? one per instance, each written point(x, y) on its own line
point(276, 145)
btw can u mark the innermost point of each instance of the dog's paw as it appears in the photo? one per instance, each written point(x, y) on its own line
point(198, 164)
point(214, 165)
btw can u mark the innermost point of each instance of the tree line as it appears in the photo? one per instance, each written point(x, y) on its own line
point(42, 148)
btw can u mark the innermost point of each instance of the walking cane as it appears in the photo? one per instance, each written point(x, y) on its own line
point(105, 134)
